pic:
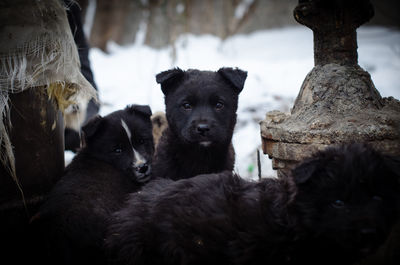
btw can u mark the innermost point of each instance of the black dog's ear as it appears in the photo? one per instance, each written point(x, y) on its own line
point(169, 78)
point(303, 172)
point(140, 109)
point(91, 127)
point(234, 76)
point(392, 164)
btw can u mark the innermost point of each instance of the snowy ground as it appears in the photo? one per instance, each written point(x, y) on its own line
point(277, 62)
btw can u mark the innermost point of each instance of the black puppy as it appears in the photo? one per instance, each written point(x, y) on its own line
point(339, 207)
point(115, 160)
point(201, 112)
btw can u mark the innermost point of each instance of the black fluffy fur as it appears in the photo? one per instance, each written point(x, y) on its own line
point(72, 222)
point(338, 207)
point(201, 112)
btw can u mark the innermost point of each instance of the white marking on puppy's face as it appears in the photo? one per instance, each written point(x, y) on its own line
point(127, 130)
point(139, 159)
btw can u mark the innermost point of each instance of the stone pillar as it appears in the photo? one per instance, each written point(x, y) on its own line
point(338, 101)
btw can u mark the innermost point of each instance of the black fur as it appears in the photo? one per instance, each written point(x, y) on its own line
point(338, 207)
point(73, 220)
point(201, 112)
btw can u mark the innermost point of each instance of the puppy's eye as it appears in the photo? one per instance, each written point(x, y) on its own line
point(186, 106)
point(141, 141)
point(377, 198)
point(338, 204)
point(118, 150)
point(219, 105)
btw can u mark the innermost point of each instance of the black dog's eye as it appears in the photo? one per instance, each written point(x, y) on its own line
point(141, 141)
point(186, 106)
point(338, 204)
point(118, 150)
point(219, 105)
point(377, 198)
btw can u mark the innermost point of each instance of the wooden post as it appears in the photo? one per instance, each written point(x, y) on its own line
point(37, 136)
point(40, 75)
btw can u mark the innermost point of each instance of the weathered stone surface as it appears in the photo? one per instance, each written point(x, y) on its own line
point(338, 102)
point(334, 25)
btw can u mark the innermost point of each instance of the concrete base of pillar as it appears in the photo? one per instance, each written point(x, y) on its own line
point(336, 104)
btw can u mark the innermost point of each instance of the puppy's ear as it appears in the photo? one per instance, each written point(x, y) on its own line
point(91, 127)
point(392, 165)
point(169, 78)
point(140, 109)
point(234, 76)
point(303, 172)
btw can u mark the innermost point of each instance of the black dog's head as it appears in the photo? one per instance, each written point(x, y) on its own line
point(348, 199)
point(124, 139)
point(201, 105)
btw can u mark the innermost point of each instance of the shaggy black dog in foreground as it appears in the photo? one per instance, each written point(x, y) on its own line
point(338, 208)
point(201, 112)
point(114, 162)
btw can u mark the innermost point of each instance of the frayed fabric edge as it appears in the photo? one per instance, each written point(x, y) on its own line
point(44, 63)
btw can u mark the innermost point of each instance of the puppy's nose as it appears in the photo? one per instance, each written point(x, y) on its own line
point(368, 231)
point(202, 128)
point(368, 234)
point(142, 168)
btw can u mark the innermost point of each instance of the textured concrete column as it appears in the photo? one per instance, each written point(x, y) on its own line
point(338, 101)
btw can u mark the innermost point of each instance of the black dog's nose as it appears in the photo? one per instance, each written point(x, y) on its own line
point(202, 128)
point(368, 231)
point(369, 234)
point(143, 168)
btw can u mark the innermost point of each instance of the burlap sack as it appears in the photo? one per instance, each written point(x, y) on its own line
point(37, 51)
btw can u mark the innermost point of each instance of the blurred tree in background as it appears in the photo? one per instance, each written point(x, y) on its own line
point(163, 21)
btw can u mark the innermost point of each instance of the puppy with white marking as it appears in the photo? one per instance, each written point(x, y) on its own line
point(115, 160)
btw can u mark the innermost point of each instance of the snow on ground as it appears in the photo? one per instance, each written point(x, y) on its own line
point(277, 62)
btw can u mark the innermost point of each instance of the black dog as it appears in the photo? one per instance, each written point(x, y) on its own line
point(114, 161)
point(339, 207)
point(201, 112)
